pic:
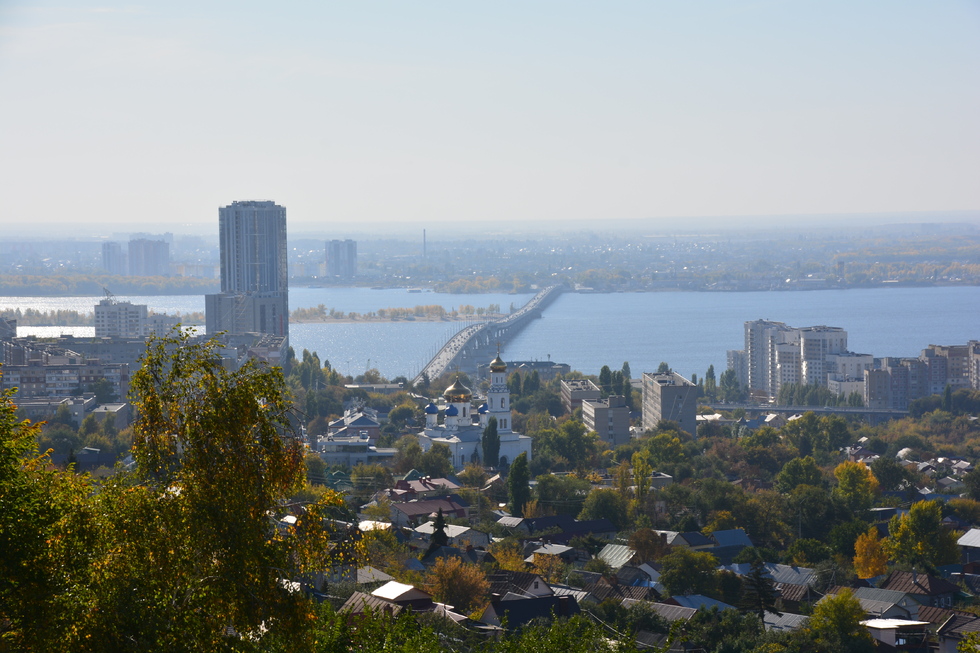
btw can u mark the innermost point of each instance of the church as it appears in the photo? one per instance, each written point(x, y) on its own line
point(462, 427)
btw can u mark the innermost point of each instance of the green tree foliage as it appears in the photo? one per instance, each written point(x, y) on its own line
point(185, 549)
point(836, 624)
point(518, 486)
point(856, 485)
point(491, 444)
point(437, 461)
point(799, 471)
point(563, 494)
point(663, 368)
point(759, 591)
point(710, 383)
point(439, 537)
point(42, 535)
point(919, 537)
point(729, 390)
point(890, 474)
point(684, 570)
point(605, 380)
point(606, 503)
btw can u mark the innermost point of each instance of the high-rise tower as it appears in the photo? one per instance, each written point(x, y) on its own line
point(254, 274)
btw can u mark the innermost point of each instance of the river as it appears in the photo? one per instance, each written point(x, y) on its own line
point(688, 330)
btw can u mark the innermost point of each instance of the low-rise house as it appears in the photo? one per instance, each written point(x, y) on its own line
point(969, 544)
point(698, 602)
point(954, 630)
point(616, 555)
point(518, 582)
point(412, 513)
point(924, 588)
point(884, 597)
point(459, 536)
point(515, 610)
point(900, 634)
point(602, 589)
point(425, 487)
point(783, 622)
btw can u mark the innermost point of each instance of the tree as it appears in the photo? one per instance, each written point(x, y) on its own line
point(806, 552)
point(856, 485)
point(759, 591)
point(648, 544)
point(43, 535)
point(729, 390)
point(518, 485)
point(710, 382)
point(947, 405)
point(456, 583)
point(215, 457)
point(890, 474)
point(919, 537)
point(564, 494)
point(663, 368)
point(491, 444)
point(606, 503)
point(642, 475)
point(684, 570)
point(605, 380)
point(437, 461)
point(439, 537)
point(870, 557)
point(836, 623)
point(105, 393)
point(799, 471)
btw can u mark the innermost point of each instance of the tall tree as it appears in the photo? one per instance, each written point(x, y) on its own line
point(919, 537)
point(856, 485)
point(663, 368)
point(518, 485)
point(710, 382)
point(870, 557)
point(759, 591)
point(627, 373)
point(605, 380)
point(491, 444)
point(439, 537)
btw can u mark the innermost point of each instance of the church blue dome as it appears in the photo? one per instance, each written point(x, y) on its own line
point(483, 409)
point(431, 409)
point(452, 411)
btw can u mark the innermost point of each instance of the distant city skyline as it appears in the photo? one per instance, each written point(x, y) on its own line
point(123, 115)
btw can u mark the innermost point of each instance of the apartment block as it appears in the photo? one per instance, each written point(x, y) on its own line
point(609, 418)
point(574, 392)
point(669, 397)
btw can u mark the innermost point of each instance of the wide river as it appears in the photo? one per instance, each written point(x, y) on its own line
point(688, 330)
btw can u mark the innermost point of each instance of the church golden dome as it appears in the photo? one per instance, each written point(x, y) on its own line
point(457, 393)
point(498, 365)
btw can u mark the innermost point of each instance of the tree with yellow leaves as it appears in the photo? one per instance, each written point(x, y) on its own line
point(870, 557)
point(856, 485)
point(457, 583)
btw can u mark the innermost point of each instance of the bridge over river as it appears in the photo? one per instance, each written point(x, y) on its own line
point(475, 343)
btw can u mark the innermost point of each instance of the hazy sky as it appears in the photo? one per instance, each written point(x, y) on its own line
point(142, 115)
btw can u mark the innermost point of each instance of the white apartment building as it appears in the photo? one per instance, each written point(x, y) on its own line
point(120, 319)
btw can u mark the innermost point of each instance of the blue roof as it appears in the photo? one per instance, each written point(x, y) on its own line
point(732, 537)
point(483, 409)
point(431, 409)
point(452, 411)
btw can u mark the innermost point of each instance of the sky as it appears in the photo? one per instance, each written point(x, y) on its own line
point(129, 116)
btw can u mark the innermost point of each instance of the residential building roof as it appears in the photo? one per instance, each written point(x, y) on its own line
point(518, 610)
point(920, 584)
point(360, 602)
point(616, 555)
point(784, 621)
point(970, 538)
point(731, 537)
point(698, 601)
point(371, 575)
point(693, 539)
point(787, 574)
point(398, 592)
point(519, 582)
